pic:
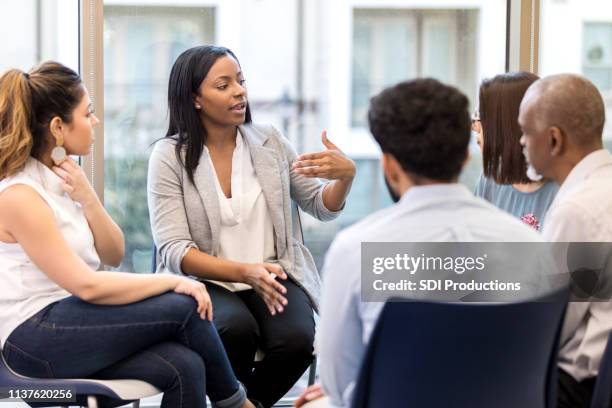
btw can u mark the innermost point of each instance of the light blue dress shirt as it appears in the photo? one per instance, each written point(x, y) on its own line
point(435, 213)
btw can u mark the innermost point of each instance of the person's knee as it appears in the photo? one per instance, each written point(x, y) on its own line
point(181, 302)
point(298, 343)
point(241, 329)
point(172, 306)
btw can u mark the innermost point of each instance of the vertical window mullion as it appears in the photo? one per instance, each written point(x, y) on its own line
point(92, 72)
point(524, 29)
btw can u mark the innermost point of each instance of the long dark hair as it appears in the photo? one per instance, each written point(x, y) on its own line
point(500, 100)
point(188, 72)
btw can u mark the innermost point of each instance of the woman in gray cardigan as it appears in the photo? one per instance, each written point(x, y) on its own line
point(219, 194)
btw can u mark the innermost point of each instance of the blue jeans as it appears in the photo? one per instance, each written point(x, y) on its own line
point(160, 340)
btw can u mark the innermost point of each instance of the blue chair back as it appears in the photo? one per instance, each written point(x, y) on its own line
point(602, 394)
point(424, 354)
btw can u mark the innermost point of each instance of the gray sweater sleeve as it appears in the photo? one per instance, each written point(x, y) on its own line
point(307, 192)
point(166, 206)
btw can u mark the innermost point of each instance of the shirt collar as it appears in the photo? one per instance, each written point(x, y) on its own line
point(581, 171)
point(239, 140)
point(419, 195)
point(49, 180)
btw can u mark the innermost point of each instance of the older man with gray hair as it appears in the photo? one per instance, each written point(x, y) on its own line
point(562, 118)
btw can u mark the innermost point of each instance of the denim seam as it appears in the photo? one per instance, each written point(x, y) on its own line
point(14, 348)
point(107, 326)
point(183, 326)
point(176, 371)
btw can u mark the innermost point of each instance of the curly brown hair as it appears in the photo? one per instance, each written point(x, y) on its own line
point(425, 125)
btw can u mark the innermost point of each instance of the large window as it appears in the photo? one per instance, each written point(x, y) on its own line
point(584, 27)
point(140, 46)
point(390, 46)
point(299, 84)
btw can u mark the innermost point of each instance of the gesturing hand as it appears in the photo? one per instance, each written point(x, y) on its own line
point(330, 164)
point(262, 278)
point(75, 182)
point(196, 290)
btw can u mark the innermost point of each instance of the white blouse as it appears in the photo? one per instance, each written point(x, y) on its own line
point(25, 289)
point(246, 233)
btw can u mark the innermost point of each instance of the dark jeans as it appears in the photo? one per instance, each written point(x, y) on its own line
point(574, 394)
point(245, 325)
point(160, 340)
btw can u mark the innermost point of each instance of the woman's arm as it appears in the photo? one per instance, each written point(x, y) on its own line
point(173, 238)
point(108, 237)
point(30, 221)
point(335, 193)
point(261, 277)
point(330, 164)
point(308, 191)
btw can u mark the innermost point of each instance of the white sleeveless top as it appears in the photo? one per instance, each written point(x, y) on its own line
point(247, 232)
point(25, 289)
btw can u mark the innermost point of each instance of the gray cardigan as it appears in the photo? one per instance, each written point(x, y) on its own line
point(184, 215)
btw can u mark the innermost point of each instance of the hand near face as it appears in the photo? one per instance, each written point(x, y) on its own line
point(75, 182)
point(329, 164)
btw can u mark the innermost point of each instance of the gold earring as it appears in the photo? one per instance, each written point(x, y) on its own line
point(58, 154)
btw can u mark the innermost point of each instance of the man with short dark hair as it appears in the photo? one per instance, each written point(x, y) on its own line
point(423, 129)
point(562, 118)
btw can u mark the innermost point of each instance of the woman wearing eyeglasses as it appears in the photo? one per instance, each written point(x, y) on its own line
point(506, 181)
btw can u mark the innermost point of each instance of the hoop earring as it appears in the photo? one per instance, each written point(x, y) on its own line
point(58, 154)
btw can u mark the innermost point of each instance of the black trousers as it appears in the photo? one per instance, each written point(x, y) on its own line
point(245, 325)
point(574, 394)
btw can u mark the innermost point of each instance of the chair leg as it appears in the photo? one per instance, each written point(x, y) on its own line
point(92, 401)
point(312, 374)
point(136, 404)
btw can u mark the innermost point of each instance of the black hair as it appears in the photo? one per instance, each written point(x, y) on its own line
point(425, 125)
point(185, 126)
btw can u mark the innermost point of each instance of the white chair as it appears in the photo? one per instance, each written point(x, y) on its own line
point(86, 391)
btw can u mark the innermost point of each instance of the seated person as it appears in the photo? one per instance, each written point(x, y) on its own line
point(562, 118)
point(411, 122)
point(504, 182)
point(60, 317)
point(220, 190)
